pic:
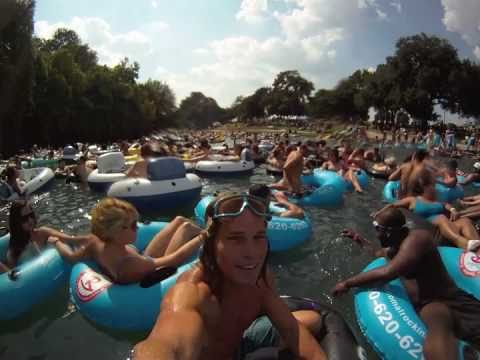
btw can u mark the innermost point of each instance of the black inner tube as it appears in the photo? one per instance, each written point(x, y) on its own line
point(335, 337)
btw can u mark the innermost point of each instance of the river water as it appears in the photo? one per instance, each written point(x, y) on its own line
point(54, 330)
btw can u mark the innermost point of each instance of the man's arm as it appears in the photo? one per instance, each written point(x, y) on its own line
point(179, 332)
point(292, 211)
point(407, 258)
point(396, 175)
point(294, 334)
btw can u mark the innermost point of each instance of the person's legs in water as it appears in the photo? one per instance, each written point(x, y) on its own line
point(282, 185)
point(159, 244)
point(468, 230)
point(450, 231)
point(294, 182)
point(440, 342)
point(186, 232)
point(352, 177)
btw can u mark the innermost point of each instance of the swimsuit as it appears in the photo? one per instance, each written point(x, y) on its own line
point(428, 210)
point(120, 262)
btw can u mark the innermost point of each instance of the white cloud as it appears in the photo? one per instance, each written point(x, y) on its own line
point(381, 15)
point(160, 71)
point(476, 51)
point(371, 70)
point(252, 11)
point(310, 33)
point(154, 4)
point(200, 51)
point(462, 17)
point(397, 5)
point(111, 47)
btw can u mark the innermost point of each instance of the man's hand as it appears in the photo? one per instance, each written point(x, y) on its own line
point(340, 288)
point(53, 240)
point(354, 236)
point(280, 196)
point(453, 214)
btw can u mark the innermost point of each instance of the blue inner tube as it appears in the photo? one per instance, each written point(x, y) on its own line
point(37, 279)
point(461, 178)
point(444, 193)
point(328, 189)
point(123, 307)
point(387, 317)
point(362, 179)
point(282, 233)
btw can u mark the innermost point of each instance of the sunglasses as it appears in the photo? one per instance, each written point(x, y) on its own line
point(232, 206)
point(30, 215)
point(133, 226)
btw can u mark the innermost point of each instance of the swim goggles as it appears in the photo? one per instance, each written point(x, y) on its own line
point(234, 205)
point(380, 227)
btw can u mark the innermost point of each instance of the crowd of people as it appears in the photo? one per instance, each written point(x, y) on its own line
point(227, 305)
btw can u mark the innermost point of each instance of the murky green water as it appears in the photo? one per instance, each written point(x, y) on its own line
point(54, 330)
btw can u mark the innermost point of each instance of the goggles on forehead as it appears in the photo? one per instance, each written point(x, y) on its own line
point(234, 205)
point(380, 227)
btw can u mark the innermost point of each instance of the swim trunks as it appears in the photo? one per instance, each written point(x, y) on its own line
point(261, 334)
point(465, 311)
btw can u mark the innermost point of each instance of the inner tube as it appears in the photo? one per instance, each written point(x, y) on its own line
point(388, 319)
point(335, 337)
point(282, 233)
point(328, 189)
point(362, 179)
point(36, 280)
point(444, 193)
point(132, 307)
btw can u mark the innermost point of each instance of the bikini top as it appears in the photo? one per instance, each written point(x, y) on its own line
point(426, 209)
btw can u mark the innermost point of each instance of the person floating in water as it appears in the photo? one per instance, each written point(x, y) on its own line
point(448, 312)
point(214, 311)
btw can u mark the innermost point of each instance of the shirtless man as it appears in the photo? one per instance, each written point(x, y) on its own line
point(214, 309)
point(408, 172)
point(448, 312)
point(292, 170)
point(139, 169)
point(81, 170)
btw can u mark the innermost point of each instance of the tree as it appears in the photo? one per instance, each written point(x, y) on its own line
point(290, 94)
point(419, 74)
point(465, 88)
point(16, 71)
point(199, 111)
point(253, 106)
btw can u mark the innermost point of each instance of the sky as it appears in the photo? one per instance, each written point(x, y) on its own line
point(227, 48)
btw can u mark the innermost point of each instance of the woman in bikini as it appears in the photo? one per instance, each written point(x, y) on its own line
point(460, 231)
point(114, 230)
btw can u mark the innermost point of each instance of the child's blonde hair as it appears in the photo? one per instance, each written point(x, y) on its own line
point(110, 216)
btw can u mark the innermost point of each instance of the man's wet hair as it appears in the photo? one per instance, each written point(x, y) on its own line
point(259, 190)
point(452, 165)
point(420, 155)
point(392, 218)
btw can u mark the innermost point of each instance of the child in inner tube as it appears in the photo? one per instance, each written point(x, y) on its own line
point(114, 230)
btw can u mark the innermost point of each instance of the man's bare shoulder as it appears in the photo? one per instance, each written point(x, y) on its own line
point(190, 292)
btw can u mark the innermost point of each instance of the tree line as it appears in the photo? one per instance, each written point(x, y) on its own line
point(54, 91)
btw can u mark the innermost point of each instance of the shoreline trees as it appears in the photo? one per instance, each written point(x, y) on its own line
point(54, 91)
